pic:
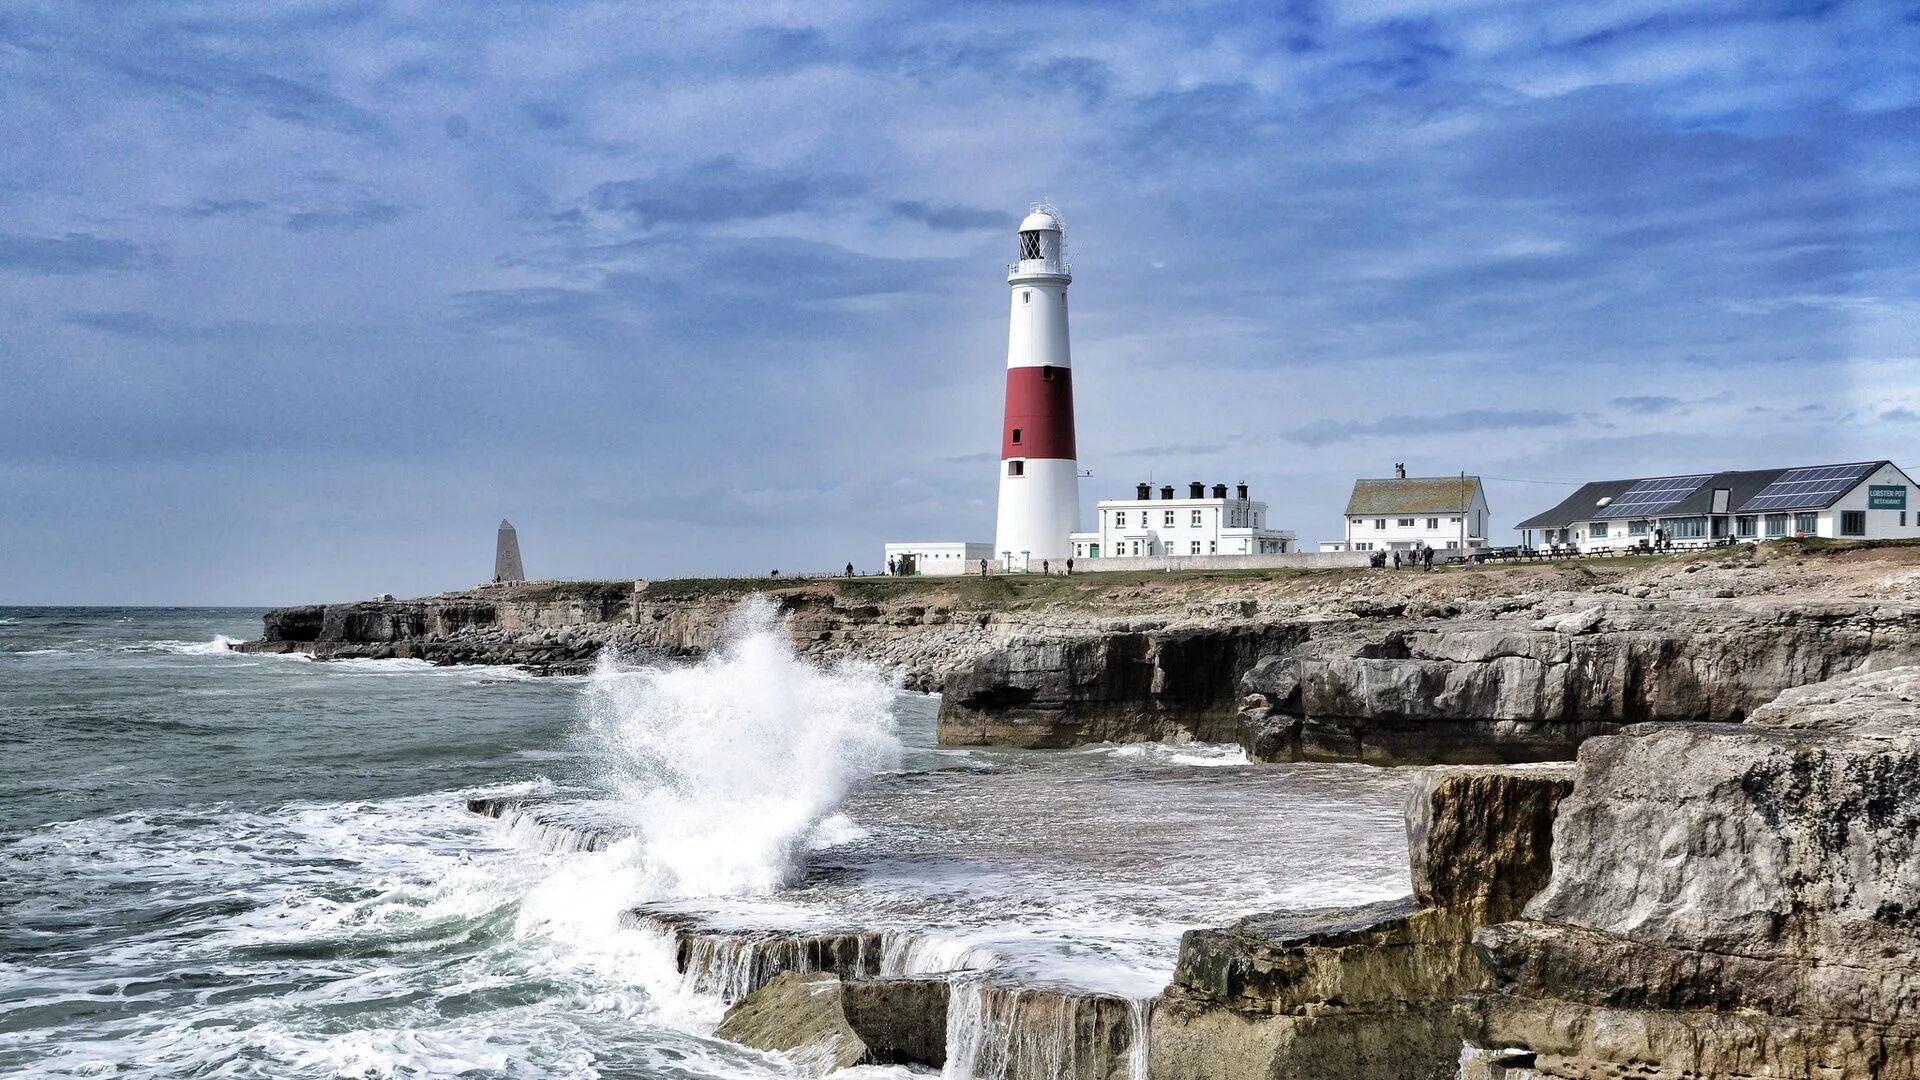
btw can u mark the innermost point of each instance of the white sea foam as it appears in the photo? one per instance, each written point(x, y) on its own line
point(221, 645)
point(1200, 755)
point(730, 766)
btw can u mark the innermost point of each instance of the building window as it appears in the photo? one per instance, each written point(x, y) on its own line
point(1016, 436)
point(1196, 547)
point(1776, 524)
point(1119, 519)
point(1433, 523)
point(1213, 547)
point(1196, 519)
point(1689, 528)
point(1405, 523)
point(1746, 525)
point(1809, 524)
point(1639, 528)
point(1453, 521)
point(1016, 468)
point(1903, 519)
point(1452, 544)
point(1596, 530)
point(1356, 521)
point(1169, 519)
point(1379, 523)
point(1853, 523)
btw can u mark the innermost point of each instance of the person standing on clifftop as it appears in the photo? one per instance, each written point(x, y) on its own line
point(1428, 558)
point(983, 568)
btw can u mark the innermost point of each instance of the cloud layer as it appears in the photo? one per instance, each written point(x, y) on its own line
point(296, 301)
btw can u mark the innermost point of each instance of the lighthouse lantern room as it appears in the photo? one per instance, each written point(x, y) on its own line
point(1039, 468)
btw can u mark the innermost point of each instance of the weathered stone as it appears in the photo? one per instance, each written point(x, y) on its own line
point(1482, 838)
point(1496, 691)
point(1367, 991)
point(801, 1015)
point(1729, 900)
point(903, 1021)
point(1116, 687)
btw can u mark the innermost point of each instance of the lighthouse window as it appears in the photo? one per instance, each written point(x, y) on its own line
point(1030, 245)
point(1016, 468)
point(1016, 436)
point(1026, 296)
point(1046, 373)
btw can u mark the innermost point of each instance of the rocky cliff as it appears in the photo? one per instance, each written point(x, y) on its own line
point(1726, 901)
point(1533, 688)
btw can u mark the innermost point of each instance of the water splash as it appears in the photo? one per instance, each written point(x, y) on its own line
point(729, 767)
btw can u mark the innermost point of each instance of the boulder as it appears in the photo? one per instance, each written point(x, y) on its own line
point(826, 1023)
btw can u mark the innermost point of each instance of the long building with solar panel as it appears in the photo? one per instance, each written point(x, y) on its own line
point(1862, 500)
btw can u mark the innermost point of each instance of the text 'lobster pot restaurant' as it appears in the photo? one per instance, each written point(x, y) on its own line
point(1864, 500)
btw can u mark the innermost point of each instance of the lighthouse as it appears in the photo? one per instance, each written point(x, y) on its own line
point(1039, 470)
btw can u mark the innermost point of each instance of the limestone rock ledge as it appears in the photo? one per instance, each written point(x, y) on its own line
point(1726, 901)
point(1505, 690)
point(1367, 991)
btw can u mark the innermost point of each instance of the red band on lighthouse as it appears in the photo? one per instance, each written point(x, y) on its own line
point(1040, 411)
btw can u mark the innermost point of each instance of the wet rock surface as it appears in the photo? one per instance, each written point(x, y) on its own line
point(1729, 901)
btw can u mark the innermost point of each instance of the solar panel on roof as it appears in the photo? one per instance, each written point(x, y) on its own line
point(1810, 487)
point(1648, 497)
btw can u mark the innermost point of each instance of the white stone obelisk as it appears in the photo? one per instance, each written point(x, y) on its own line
point(506, 554)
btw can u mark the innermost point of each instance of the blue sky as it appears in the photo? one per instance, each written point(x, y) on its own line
point(298, 300)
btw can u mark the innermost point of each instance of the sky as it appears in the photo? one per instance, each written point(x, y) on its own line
point(298, 300)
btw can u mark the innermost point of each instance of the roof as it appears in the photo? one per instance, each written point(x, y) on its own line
point(1744, 487)
point(1413, 495)
point(1043, 218)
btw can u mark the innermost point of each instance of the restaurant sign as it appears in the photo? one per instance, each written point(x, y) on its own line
point(1887, 497)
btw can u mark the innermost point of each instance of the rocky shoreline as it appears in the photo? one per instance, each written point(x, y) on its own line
point(1721, 880)
point(1699, 900)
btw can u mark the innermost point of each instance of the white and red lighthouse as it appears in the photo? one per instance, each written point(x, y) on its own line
point(1039, 470)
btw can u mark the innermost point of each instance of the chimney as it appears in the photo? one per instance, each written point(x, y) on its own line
point(1167, 492)
point(1400, 470)
point(1196, 490)
point(1219, 491)
point(1243, 492)
point(1143, 492)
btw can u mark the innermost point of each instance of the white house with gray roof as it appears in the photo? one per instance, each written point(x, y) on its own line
point(1405, 513)
point(1861, 500)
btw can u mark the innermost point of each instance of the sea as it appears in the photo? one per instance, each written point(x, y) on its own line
point(218, 864)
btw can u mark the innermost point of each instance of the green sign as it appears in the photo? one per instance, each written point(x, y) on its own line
point(1887, 497)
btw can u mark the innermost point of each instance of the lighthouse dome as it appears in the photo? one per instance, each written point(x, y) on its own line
point(1042, 218)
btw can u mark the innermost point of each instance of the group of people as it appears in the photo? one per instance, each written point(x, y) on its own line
point(1421, 557)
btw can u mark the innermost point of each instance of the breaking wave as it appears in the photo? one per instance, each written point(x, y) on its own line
point(731, 767)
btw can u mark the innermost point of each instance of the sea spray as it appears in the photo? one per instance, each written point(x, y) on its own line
point(728, 767)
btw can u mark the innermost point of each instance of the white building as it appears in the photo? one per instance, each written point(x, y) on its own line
point(1401, 513)
point(1862, 500)
point(938, 558)
point(1196, 525)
